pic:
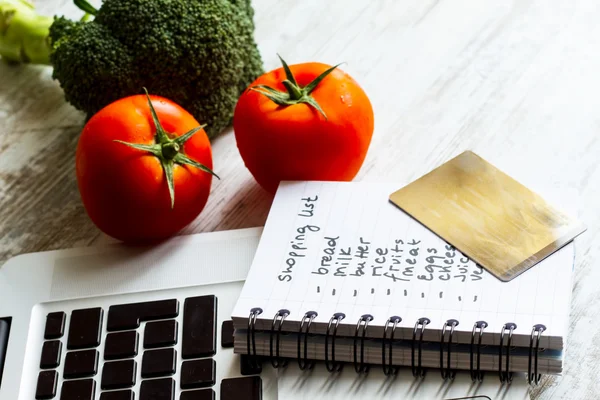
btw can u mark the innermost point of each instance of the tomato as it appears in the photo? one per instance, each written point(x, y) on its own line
point(140, 178)
point(303, 122)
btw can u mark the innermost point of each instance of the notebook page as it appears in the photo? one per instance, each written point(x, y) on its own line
point(343, 247)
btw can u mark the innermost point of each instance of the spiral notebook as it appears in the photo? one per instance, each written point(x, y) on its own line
point(342, 275)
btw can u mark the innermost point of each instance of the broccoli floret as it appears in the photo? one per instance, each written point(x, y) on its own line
point(200, 54)
point(61, 29)
point(93, 67)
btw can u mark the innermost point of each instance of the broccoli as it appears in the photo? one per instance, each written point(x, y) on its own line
point(200, 54)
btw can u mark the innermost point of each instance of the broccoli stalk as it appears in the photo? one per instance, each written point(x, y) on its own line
point(23, 33)
point(201, 54)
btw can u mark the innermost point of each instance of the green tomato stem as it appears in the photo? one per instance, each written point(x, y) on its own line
point(295, 93)
point(169, 151)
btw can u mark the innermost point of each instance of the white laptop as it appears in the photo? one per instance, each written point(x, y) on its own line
point(123, 323)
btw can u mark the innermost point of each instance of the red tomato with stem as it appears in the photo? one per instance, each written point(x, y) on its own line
point(144, 168)
point(307, 121)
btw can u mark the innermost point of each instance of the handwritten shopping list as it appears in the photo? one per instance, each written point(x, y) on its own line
point(395, 260)
point(343, 247)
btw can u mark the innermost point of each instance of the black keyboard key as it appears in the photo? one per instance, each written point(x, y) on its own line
point(158, 389)
point(227, 334)
point(85, 328)
point(128, 316)
point(118, 395)
point(51, 352)
point(160, 334)
point(159, 363)
point(4, 331)
point(199, 327)
point(118, 375)
point(55, 325)
point(247, 367)
point(121, 345)
point(247, 388)
point(206, 394)
point(198, 373)
point(79, 364)
point(46, 385)
point(83, 389)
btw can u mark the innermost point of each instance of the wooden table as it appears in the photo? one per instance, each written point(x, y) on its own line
point(515, 81)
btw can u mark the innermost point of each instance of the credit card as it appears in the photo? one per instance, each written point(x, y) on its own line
point(488, 216)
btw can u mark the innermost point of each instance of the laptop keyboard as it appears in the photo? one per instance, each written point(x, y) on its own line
point(151, 350)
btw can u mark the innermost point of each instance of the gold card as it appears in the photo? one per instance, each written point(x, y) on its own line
point(488, 216)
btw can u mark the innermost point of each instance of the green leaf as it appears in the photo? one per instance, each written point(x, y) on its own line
point(161, 135)
point(279, 98)
point(152, 148)
point(311, 86)
point(185, 160)
point(168, 167)
point(180, 140)
point(295, 93)
point(288, 72)
point(267, 88)
point(84, 5)
point(309, 100)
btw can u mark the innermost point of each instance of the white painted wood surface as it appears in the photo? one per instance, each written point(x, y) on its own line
point(516, 81)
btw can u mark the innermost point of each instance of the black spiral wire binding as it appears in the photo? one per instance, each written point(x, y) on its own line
point(280, 316)
point(506, 376)
point(388, 368)
point(251, 338)
point(364, 322)
point(332, 365)
point(447, 373)
point(477, 375)
point(303, 361)
point(536, 332)
point(418, 371)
